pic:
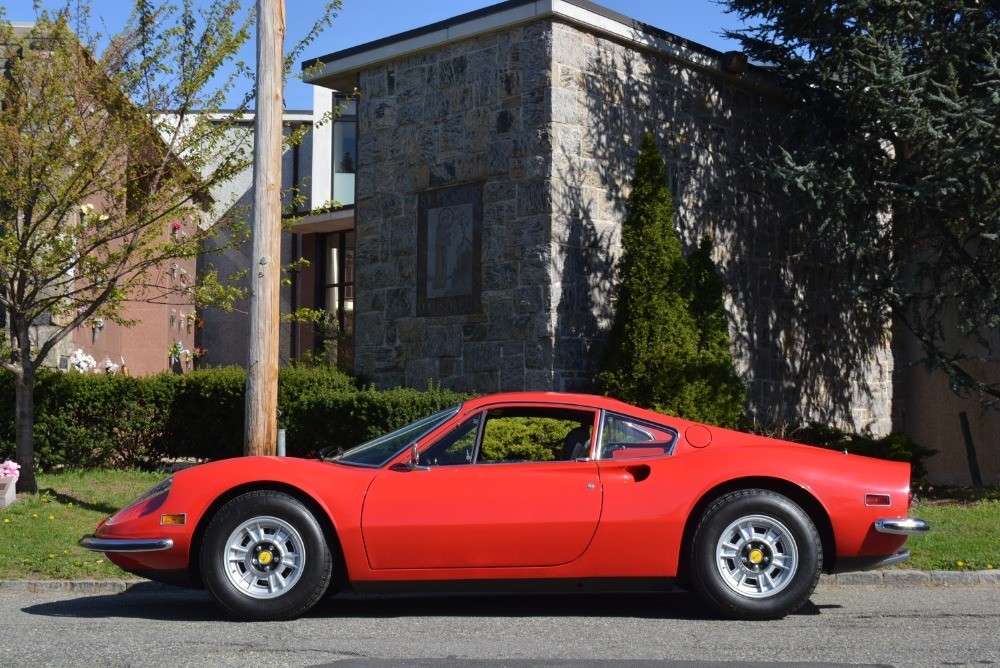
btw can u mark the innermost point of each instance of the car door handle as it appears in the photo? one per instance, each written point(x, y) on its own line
point(639, 472)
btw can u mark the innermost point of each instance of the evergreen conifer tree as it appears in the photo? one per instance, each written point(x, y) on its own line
point(668, 348)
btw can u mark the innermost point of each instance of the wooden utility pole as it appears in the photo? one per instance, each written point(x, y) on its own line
point(261, 426)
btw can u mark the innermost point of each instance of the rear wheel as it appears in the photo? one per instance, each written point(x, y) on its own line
point(265, 557)
point(755, 555)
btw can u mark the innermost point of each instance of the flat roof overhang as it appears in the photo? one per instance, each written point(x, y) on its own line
point(337, 220)
point(339, 70)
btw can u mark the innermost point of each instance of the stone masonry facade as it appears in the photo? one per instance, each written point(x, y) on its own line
point(548, 118)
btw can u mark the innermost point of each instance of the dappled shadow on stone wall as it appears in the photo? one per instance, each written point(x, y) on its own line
point(803, 346)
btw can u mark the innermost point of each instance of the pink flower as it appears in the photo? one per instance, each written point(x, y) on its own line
point(10, 469)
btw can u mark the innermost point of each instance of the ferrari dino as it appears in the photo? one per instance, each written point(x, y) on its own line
point(528, 491)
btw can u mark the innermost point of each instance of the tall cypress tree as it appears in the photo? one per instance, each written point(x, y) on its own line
point(668, 348)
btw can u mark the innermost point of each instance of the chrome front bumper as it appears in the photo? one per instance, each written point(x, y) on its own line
point(910, 526)
point(95, 544)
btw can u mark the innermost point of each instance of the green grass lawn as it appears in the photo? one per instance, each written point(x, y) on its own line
point(963, 536)
point(38, 534)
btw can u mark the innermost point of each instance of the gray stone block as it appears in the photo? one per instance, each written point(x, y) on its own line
point(419, 372)
point(100, 586)
point(400, 303)
point(907, 577)
point(954, 577)
point(538, 380)
point(564, 106)
point(499, 159)
point(411, 330)
point(500, 276)
point(369, 328)
point(991, 576)
point(48, 586)
point(511, 373)
point(534, 198)
point(444, 341)
point(482, 356)
point(13, 585)
point(860, 578)
point(378, 276)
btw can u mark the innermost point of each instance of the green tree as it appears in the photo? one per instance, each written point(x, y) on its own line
point(892, 149)
point(668, 348)
point(106, 143)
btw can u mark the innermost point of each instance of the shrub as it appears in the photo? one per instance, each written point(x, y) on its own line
point(525, 439)
point(344, 418)
point(94, 421)
point(206, 416)
point(668, 348)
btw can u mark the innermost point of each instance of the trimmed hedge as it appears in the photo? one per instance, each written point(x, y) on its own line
point(95, 421)
point(99, 421)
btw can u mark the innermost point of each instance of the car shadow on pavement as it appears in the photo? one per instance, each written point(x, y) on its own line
point(679, 605)
point(143, 601)
point(157, 602)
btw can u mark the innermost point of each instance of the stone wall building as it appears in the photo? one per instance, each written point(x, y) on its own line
point(526, 118)
point(492, 163)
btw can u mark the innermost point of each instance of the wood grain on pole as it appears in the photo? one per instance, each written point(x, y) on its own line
point(261, 426)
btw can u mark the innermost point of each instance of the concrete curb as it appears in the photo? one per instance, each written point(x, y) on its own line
point(892, 578)
point(77, 586)
point(911, 578)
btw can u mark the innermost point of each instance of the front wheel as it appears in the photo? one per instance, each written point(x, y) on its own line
point(265, 557)
point(755, 555)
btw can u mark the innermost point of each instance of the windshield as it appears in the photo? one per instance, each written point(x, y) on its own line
point(378, 452)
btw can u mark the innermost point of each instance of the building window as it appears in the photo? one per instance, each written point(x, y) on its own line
point(336, 295)
point(345, 149)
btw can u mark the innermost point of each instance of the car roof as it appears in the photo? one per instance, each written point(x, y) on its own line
point(584, 400)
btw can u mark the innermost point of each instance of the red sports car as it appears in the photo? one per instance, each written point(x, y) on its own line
point(529, 491)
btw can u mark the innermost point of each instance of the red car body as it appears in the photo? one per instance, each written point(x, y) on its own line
point(597, 518)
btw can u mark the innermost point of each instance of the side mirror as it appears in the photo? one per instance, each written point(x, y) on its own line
point(414, 463)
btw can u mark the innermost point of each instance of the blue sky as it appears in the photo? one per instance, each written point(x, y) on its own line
point(362, 21)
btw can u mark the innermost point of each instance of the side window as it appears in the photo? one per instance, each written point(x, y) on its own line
point(535, 435)
point(455, 447)
point(625, 438)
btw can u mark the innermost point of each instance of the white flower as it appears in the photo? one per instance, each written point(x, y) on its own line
point(81, 361)
point(87, 209)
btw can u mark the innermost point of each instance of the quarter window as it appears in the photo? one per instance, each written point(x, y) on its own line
point(625, 438)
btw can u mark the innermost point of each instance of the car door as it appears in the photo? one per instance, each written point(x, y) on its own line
point(482, 498)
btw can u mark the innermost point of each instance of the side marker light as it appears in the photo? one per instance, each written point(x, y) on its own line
point(877, 500)
point(173, 520)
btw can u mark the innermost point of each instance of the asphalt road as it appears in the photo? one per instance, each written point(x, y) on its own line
point(149, 626)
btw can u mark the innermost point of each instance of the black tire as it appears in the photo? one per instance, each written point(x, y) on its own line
point(265, 557)
point(765, 566)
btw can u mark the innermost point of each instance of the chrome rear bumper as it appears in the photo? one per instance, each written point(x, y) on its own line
point(95, 544)
point(910, 526)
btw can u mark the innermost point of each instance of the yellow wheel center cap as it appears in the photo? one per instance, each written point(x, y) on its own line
point(264, 557)
point(755, 556)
